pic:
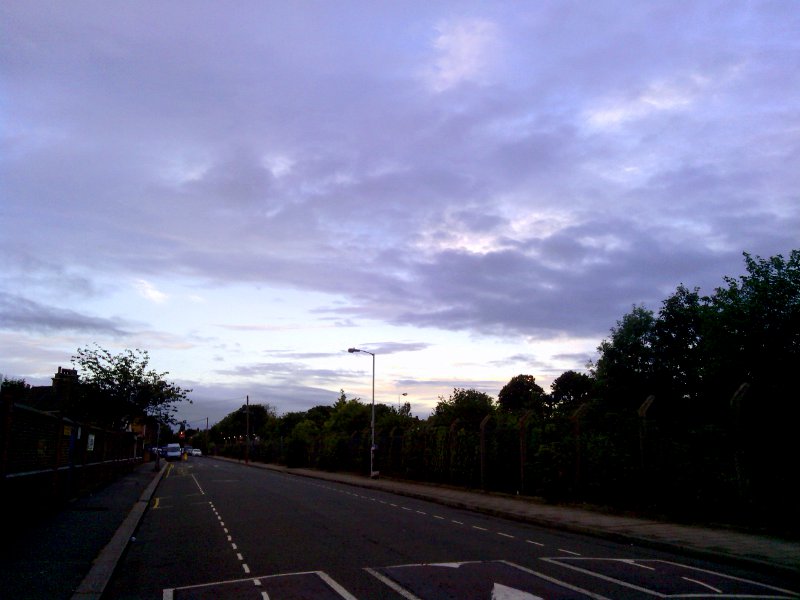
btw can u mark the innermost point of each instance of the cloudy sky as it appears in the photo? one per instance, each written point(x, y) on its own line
point(470, 190)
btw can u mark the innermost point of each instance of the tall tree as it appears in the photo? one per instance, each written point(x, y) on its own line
point(754, 339)
point(116, 389)
point(755, 331)
point(523, 393)
point(678, 350)
point(569, 391)
point(624, 370)
point(468, 406)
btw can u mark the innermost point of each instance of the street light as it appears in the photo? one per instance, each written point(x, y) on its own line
point(157, 466)
point(398, 399)
point(372, 472)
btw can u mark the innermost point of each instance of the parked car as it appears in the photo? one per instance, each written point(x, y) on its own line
point(187, 450)
point(197, 452)
point(173, 452)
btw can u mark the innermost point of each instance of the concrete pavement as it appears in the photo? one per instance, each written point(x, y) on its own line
point(72, 554)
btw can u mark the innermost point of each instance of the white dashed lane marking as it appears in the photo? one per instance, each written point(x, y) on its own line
point(229, 537)
point(439, 517)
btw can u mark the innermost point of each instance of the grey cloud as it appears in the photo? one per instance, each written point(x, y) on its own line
point(449, 384)
point(559, 284)
point(581, 358)
point(288, 373)
point(392, 347)
point(21, 314)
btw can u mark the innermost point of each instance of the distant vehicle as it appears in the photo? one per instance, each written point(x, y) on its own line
point(197, 452)
point(187, 450)
point(173, 452)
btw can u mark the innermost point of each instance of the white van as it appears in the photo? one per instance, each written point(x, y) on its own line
point(173, 452)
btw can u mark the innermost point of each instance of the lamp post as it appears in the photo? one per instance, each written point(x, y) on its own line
point(372, 472)
point(398, 399)
point(157, 466)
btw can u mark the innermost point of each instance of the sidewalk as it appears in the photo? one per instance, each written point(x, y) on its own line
point(72, 555)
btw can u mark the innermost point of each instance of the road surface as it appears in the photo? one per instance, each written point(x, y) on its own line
point(219, 529)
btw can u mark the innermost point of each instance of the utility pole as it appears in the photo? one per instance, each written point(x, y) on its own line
point(247, 433)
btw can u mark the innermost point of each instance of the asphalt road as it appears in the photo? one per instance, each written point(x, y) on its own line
point(217, 529)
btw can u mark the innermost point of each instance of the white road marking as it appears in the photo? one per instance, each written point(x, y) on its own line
point(633, 563)
point(534, 543)
point(557, 581)
point(568, 552)
point(335, 586)
point(705, 585)
point(505, 535)
point(198, 485)
point(388, 582)
point(565, 562)
point(503, 592)
point(480, 528)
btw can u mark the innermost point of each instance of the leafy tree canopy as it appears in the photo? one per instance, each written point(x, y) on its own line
point(256, 416)
point(523, 393)
point(116, 389)
point(679, 354)
point(756, 321)
point(570, 390)
point(10, 384)
point(349, 416)
point(468, 406)
point(624, 369)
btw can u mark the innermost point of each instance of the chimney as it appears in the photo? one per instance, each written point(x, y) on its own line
point(63, 381)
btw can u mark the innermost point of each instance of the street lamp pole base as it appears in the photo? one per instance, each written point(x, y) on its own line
point(375, 474)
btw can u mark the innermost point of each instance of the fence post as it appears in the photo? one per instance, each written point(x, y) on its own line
point(576, 418)
point(7, 403)
point(484, 422)
point(642, 412)
point(742, 480)
point(451, 444)
point(523, 448)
